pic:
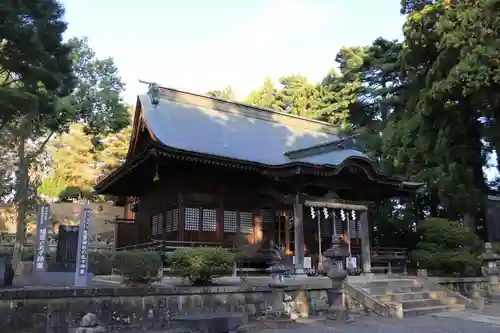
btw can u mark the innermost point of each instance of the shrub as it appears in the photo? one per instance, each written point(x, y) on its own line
point(101, 262)
point(28, 254)
point(201, 265)
point(447, 247)
point(138, 267)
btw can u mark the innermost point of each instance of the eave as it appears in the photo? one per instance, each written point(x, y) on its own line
point(286, 170)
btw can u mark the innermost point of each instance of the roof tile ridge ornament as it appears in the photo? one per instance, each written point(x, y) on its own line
point(153, 91)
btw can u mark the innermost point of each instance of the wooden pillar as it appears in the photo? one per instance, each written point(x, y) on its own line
point(298, 223)
point(287, 234)
point(219, 229)
point(365, 243)
point(180, 221)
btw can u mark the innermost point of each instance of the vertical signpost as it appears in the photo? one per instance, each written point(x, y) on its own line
point(41, 237)
point(81, 275)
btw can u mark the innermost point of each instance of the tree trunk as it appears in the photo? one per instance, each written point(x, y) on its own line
point(22, 200)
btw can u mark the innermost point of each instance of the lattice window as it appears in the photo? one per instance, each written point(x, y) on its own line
point(326, 227)
point(192, 219)
point(352, 228)
point(175, 219)
point(154, 225)
point(267, 218)
point(230, 218)
point(209, 219)
point(169, 221)
point(246, 222)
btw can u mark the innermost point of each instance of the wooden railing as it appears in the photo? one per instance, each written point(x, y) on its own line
point(160, 245)
point(389, 259)
point(389, 253)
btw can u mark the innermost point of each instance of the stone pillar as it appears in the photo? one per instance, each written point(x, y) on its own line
point(298, 224)
point(365, 243)
point(81, 273)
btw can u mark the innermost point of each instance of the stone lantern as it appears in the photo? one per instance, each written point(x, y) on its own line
point(338, 275)
point(489, 259)
point(490, 269)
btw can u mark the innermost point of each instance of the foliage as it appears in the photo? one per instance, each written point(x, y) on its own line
point(138, 267)
point(298, 96)
point(101, 262)
point(226, 94)
point(201, 265)
point(78, 161)
point(35, 69)
point(265, 96)
point(447, 247)
point(28, 254)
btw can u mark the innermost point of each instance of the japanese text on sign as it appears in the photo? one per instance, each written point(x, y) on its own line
point(40, 253)
point(84, 243)
point(43, 219)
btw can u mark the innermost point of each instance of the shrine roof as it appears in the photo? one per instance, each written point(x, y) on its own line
point(212, 126)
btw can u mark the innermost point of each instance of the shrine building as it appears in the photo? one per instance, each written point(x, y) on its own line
point(203, 171)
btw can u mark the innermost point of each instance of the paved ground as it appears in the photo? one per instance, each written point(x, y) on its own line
point(422, 324)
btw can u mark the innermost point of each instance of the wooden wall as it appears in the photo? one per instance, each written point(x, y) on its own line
point(197, 203)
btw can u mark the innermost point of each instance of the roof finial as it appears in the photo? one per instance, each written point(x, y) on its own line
point(153, 91)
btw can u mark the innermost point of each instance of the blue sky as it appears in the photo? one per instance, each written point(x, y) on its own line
point(203, 45)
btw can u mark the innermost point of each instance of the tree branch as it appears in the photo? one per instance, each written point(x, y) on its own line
point(40, 149)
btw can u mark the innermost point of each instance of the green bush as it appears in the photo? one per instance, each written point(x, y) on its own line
point(447, 247)
point(28, 254)
point(101, 262)
point(201, 265)
point(138, 267)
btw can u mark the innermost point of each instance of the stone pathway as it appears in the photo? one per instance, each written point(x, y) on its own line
point(422, 324)
point(489, 315)
point(484, 321)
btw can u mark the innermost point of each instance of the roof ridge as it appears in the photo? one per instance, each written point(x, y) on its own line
point(155, 92)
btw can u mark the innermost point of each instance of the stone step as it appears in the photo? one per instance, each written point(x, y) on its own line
point(433, 309)
point(398, 296)
point(429, 302)
point(394, 289)
point(393, 283)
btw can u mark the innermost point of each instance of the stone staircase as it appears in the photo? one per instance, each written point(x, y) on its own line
point(405, 296)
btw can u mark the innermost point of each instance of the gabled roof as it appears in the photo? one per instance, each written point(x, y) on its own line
point(207, 125)
point(183, 123)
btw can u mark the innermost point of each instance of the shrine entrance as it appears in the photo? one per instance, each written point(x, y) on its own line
point(350, 223)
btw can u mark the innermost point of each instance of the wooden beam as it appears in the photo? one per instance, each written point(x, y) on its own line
point(336, 204)
point(316, 201)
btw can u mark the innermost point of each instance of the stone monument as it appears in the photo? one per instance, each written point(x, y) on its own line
point(71, 265)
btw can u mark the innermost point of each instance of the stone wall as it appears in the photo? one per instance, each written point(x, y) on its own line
point(140, 308)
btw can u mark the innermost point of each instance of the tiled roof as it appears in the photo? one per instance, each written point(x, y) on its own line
point(200, 124)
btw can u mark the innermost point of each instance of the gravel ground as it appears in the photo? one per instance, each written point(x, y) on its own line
point(422, 324)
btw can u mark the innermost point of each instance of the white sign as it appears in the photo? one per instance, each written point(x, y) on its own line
point(307, 263)
point(351, 262)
